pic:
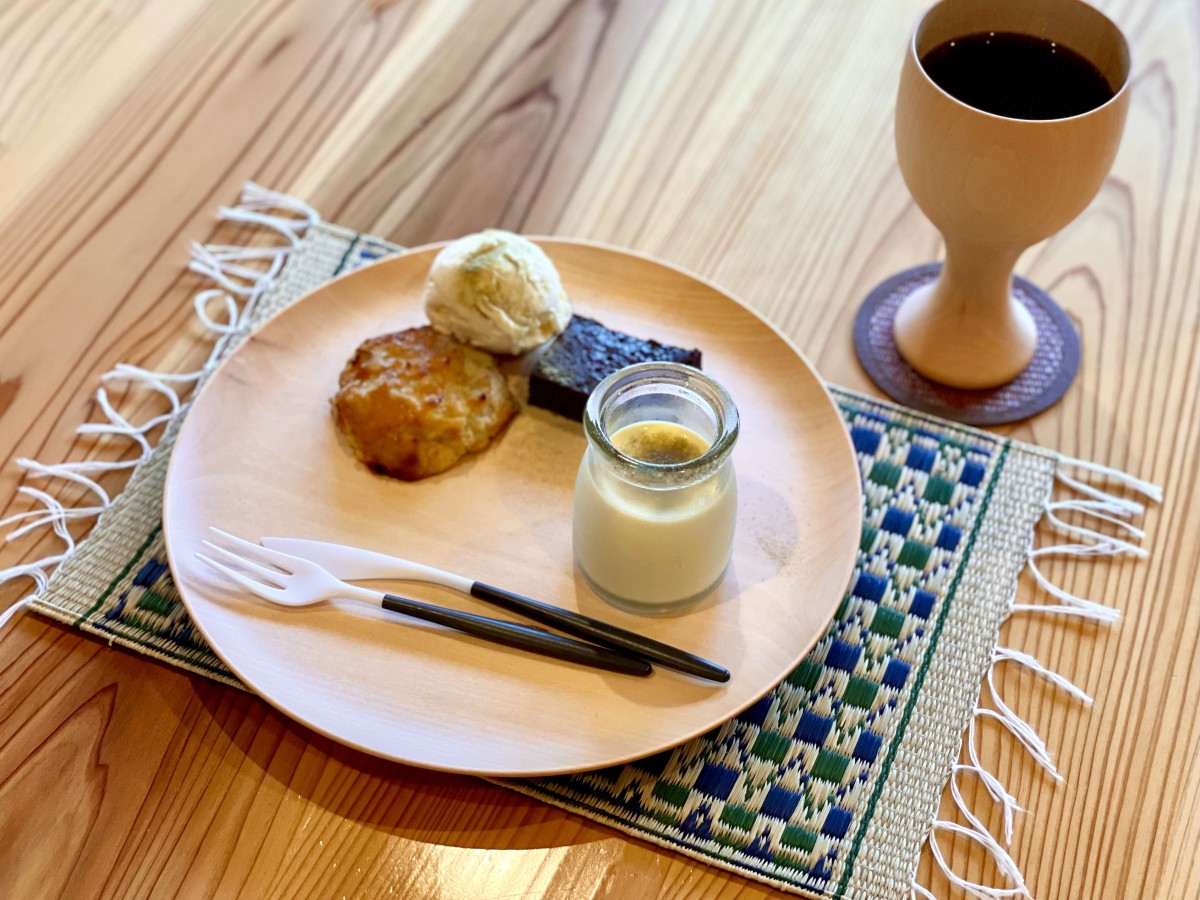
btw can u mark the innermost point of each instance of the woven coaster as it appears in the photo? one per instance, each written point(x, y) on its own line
point(1042, 384)
point(830, 784)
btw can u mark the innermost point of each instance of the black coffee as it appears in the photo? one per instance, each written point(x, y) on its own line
point(1017, 76)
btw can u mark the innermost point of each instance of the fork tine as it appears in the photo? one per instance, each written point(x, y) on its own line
point(278, 557)
point(272, 576)
point(255, 587)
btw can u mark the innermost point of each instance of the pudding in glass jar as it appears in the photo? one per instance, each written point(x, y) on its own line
point(656, 497)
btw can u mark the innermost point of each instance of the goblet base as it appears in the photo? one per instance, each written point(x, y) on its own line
point(948, 344)
point(1042, 383)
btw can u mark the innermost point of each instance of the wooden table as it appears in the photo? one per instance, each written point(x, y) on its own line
point(748, 141)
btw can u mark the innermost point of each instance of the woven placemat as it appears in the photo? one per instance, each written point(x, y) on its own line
point(830, 784)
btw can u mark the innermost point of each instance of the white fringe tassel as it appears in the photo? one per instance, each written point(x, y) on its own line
point(227, 267)
point(1086, 543)
point(242, 276)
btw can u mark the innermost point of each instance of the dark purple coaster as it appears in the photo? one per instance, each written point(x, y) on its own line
point(1049, 374)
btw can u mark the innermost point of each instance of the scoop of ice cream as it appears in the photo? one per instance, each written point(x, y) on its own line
point(497, 291)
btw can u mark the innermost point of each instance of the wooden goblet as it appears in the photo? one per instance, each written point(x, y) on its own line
point(994, 185)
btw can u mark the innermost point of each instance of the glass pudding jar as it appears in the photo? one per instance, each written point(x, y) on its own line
point(655, 497)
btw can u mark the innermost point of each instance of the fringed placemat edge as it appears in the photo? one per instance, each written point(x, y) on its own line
point(244, 275)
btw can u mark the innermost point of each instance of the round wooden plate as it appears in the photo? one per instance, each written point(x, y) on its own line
point(259, 455)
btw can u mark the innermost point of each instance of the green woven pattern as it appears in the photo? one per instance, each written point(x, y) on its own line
point(787, 791)
point(786, 787)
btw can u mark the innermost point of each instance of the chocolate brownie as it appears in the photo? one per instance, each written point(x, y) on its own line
point(586, 353)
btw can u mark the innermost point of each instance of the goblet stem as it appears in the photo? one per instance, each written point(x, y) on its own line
point(966, 329)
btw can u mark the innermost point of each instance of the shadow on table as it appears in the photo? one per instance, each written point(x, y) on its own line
point(295, 763)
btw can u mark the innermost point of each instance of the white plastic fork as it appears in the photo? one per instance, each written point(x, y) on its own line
point(299, 582)
point(358, 564)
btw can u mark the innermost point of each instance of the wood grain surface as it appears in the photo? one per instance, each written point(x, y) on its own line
point(750, 142)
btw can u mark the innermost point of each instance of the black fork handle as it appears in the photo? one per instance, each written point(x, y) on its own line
point(519, 636)
point(582, 626)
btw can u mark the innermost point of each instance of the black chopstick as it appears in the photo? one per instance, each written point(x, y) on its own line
point(602, 633)
point(520, 636)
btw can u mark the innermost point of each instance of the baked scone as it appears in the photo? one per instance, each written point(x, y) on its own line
point(413, 403)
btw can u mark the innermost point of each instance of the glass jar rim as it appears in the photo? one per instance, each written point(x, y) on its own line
point(675, 374)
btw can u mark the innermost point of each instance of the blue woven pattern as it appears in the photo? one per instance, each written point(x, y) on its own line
point(786, 788)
